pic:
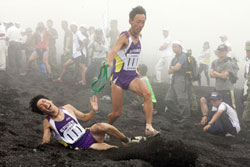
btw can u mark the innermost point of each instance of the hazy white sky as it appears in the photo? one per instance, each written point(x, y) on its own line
point(192, 21)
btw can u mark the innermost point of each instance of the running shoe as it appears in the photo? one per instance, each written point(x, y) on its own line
point(151, 133)
point(131, 140)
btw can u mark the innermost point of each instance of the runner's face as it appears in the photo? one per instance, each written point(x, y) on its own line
point(46, 106)
point(137, 23)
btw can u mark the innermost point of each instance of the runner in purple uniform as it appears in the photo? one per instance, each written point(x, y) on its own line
point(125, 57)
point(62, 121)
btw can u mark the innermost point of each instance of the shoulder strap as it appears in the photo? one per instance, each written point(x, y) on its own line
point(126, 33)
point(52, 122)
point(66, 112)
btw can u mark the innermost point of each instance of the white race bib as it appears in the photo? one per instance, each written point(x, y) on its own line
point(73, 133)
point(131, 62)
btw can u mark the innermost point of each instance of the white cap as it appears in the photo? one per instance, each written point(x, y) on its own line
point(83, 25)
point(178, 43)
point(223, 36)
point(73, 23)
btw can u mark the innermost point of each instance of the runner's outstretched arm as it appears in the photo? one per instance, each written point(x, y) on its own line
point(121, 42)
point(46, 132)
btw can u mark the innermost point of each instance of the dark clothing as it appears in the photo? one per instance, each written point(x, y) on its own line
point(69, 35)
point(222, 125)
point(93, 69)
point(222, 66)
point(53, 35)
point(67, 51)
point(180, 59)
point(80, 60)
point(177, 93)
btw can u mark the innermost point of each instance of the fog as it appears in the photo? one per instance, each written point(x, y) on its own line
point(192, 21)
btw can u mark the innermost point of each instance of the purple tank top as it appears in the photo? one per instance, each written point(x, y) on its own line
point(129, 55)
point(69, 130)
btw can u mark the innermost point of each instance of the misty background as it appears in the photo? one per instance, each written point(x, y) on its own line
point(191, 21)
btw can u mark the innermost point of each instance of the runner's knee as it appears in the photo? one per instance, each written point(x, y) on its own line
point(147, 95)
point(102, 127)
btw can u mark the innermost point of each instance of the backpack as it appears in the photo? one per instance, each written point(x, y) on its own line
point(192, 68)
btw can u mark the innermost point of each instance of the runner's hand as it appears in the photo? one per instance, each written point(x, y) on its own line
point(103, 64)
point(203, 120)
point(94, 103)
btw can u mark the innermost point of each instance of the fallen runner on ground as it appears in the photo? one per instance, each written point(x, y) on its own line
point(63, 122)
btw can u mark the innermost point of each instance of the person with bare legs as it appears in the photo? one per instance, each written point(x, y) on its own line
point(125, 57)
point(41, 48)
point(79, 43)
point(63, 122)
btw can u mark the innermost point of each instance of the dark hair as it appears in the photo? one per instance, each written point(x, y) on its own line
point(143, 69)
point(135, 11)
point(33, 104)
point(207, 43)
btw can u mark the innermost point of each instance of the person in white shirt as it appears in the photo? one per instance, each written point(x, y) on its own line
point(2, 48)
point(204, 60)
point(14, 50)
point(166, 55)
point(79, 43)
point(222, 119)
point(225, 41)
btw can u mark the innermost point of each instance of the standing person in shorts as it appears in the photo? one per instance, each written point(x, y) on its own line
point(125, 57)
point(41, 48)
point(79, 50)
